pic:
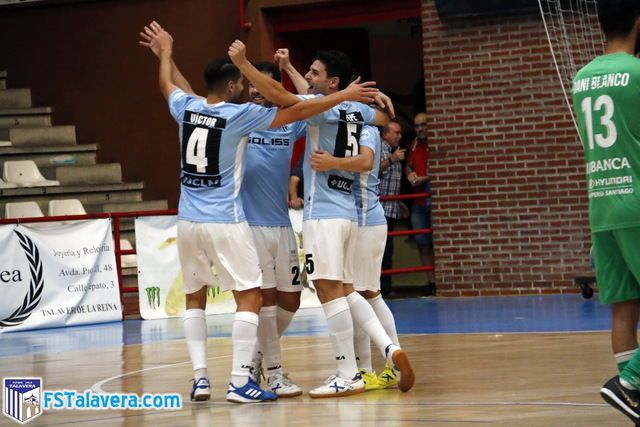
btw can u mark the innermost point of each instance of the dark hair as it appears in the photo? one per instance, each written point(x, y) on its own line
point(338, 64)
point(270, 68)
point(218, 73)
point(617, 17)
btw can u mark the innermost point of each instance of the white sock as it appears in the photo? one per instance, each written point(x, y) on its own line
point(284, 319)
point(200, 373)
point(626, 384)
point(384, 314)
point(195, 333)
point(625, 356)
point(269, 340)
point(341, 334)
point(364, 316)
point(244, 336)
point(362, 346)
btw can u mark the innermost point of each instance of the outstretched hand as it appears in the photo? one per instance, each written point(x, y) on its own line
point(361, 92)
point(238, 53)
point(157, 39)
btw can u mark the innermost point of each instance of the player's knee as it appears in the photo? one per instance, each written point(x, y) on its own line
point(289, 301)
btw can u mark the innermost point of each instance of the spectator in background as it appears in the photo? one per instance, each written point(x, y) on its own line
point(390, 179)
point(417, 172)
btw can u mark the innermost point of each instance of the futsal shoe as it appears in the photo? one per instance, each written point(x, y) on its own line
point(624, 400)
point(388, 378)
point(336, 386)
point(249, 393)
point(398, 358)
point(370, 380)
point(201, 390)
point(282, 386)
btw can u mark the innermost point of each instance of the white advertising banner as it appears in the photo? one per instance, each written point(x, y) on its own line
point(160, 277)
point(57, 274)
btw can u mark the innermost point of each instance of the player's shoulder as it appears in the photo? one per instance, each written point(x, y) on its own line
point(370, 136)
point(370, 131)
point(232, 110)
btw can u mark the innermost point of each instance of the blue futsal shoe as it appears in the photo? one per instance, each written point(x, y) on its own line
point(249, 393)
point(201, 390)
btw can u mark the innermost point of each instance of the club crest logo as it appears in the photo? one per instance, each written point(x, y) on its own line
point(22, 398)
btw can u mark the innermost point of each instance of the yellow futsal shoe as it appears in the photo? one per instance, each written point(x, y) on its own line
point(370, 380)
point(388, 378)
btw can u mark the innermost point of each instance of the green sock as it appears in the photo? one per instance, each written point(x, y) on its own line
point(622, 359)
point(631, 372)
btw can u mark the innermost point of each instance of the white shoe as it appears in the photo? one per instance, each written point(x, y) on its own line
point(281, 385)
point(336, 386)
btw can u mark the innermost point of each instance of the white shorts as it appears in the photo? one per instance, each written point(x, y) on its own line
point(278, 255)
point(329, 248)
point(228, 248)
point(369, 252)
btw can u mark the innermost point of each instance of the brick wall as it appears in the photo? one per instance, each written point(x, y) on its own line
point(510, 207)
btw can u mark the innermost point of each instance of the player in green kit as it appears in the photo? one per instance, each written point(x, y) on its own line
point(606, 99)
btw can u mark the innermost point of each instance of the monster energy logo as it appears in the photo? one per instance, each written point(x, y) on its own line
point(213, 292)
point(153, 296)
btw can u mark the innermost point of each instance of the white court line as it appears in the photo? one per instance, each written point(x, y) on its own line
point(97, 387)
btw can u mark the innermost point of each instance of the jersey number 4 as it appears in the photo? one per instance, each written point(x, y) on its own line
point(201, 153)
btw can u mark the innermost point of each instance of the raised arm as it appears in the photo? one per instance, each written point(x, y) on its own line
point(284, 62)
point(322, 161)
point(356, 91)
point(149, 40)
point(179, 79)
point(268, 87)
point(161, 44)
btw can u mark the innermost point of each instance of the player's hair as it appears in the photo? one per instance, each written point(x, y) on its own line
point(617, 17)
point(337, 64)
point(270, 68)
point(218, 73)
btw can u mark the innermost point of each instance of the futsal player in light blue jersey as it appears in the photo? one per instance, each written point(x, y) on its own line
point(212, 229)
point(372, 319)
point(330, 220)
point(264, 195)
point(370, 245)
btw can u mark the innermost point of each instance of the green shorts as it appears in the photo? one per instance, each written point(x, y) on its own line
point(617, 264)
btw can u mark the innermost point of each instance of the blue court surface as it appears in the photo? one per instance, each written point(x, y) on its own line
point(523, 314)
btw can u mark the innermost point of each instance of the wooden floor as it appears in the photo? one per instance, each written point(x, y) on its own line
point(536, 379)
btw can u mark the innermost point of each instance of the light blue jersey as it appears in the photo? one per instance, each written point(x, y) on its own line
point(337, 131)
point(265, 188)
point(366, 186)
point(213, 138)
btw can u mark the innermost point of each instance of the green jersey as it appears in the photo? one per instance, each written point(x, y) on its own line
point(606, 99)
